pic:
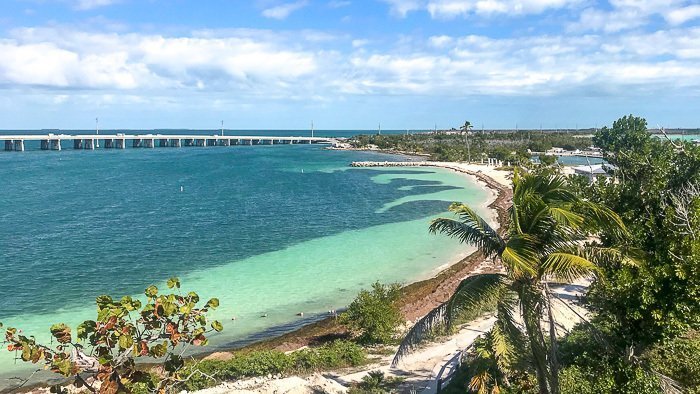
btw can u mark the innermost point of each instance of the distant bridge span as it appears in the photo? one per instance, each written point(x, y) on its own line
point(121, 141)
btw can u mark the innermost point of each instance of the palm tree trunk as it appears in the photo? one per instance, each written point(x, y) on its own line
point(553, 357)
point(531, 318)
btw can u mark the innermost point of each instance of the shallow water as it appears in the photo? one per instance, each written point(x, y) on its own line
point(267, 229)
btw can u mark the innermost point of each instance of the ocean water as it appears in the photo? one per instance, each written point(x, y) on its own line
point(271, 230)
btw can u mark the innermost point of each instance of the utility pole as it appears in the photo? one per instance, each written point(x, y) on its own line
point(97, 131)
point(380, 128)
point(312, 129)
point(222, 128)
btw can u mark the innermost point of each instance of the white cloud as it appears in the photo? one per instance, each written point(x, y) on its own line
point(90, 4)
point(448, 9)
point(537, 65)
point(440, 41)
point(632, 14)
point(402, 7)
point(282, 11)
point(79, 60)
point(247, 63)
point(682, 15)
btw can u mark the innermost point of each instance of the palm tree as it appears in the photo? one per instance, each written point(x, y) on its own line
point(466, 127)
point(541, 242)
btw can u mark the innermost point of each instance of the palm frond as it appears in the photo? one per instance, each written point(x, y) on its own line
point(599, 217)
point(472, 293)
point(480, 381)
point(507, 339)
point(566, 217)
point(604, 256)
point(520, 255)
point(567, 266)
point(471, 229)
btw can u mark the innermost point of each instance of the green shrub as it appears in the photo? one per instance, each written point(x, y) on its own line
point(336, 354)
point(594, 363)
point(679, 359)
point(375, 314)
point(612, 378)
point(376, 383)
point(341, 354)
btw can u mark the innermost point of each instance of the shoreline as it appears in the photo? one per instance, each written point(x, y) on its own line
point(418, 297)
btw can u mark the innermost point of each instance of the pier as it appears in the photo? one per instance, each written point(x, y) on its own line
point(121, 141)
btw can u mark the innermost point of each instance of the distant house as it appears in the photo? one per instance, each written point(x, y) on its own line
point(555, 150)
point(593, 171)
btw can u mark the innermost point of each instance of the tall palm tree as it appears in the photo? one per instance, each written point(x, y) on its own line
point(542, 241)
point(466, 127)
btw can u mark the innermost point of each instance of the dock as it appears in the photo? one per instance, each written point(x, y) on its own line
point(58, 142)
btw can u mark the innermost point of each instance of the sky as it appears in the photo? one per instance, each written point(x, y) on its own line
point(347, 64)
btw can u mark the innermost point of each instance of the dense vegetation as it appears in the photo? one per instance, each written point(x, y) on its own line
point(645, 297)
point(658, 195)
point(374, 315)
point(540, 243)
point(506, 146)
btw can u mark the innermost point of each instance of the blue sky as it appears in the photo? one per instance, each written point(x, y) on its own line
point(348, 64)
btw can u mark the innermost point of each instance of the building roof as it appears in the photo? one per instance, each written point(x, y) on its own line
point(596, 169)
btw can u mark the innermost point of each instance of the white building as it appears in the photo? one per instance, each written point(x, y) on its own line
point(593, 171)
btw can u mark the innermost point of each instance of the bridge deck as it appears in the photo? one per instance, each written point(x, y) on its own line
point(63, 137)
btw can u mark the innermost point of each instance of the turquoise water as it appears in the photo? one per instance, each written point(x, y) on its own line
point(685, 137)
point(271, 230)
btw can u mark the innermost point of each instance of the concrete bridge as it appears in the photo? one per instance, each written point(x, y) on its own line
point(121, 141)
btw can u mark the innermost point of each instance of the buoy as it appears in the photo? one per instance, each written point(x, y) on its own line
point(182, 188)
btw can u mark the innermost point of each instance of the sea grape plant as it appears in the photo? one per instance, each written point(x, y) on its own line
point(106, 349)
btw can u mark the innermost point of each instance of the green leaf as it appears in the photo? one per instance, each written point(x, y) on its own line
point(173, 282)
point(216, 325)
point(151, 291)
point(194, 297)
point(85, 328)
point(63, 366)
point(159, 350)
point(173, 363)
point(128, 303)
point(125, 342)
point(199, 331)
point(103, 301)
point(187, 308)
point(213, 303)
point(61, 332)
point(169, 308)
